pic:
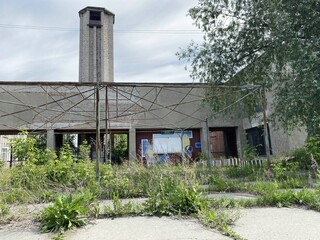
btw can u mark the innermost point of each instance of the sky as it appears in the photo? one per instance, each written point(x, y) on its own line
point(39, 40)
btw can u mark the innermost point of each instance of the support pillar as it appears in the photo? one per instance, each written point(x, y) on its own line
point(132, 144)
point(241, 140)
point(204, 139)
point(51, 141)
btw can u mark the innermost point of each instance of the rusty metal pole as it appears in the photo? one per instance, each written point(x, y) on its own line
point(265, 128)
point(106, 128)
point(98, 145)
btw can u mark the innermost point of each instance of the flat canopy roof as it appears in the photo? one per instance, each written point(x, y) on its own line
point(116, 84)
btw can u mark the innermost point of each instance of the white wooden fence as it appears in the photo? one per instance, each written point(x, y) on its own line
point(234, 162)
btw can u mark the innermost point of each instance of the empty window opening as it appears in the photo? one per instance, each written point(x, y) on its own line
point(255, 138)
point(95, 16)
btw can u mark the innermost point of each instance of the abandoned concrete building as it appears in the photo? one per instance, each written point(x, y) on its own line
point(158, 119)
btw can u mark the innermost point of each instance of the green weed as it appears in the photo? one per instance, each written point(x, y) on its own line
point(66, 213)
point(172, 196)
point(120, 209)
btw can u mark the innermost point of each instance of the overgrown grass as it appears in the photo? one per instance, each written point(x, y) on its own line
point(171, 190)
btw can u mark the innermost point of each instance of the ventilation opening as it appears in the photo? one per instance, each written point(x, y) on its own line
point(95, 19)
point(95, 16)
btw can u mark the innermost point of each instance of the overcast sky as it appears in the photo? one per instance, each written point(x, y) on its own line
point(47, 54)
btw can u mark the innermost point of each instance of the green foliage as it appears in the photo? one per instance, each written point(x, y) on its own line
point(172, 196)
point(23, 148)
point(120, 150)
point(310, 199)
point(4, 210)
point(273, 43)
point(221, 221)
point(250, 153)
point(220, 215)
point(221, 184)
point(114, 182)
point(29, 148)
point(67, 212)
point(84, 151)
point(41, 141)
point(302, 157)
point(242, 172)
point(313, 147)
point(284, 170)
point(120, 209)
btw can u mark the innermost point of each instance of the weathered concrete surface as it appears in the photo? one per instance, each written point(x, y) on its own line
point(145, 228)
point(236, 196)
point(278, 224)
point(23, 234)
point(254, 224)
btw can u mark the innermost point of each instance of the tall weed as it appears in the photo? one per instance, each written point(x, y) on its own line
point(172, 197)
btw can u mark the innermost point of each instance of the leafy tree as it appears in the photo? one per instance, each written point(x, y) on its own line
point(23, 148)
point(273, 43)
point(120, 150)
point(30, 148)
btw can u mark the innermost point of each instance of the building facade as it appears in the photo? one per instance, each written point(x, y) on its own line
point(160, 121)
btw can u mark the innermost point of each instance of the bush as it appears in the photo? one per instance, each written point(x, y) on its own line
point(284, 170)
point(302, 157)
point(172, 197)
point(67, 212)
point(313, 147)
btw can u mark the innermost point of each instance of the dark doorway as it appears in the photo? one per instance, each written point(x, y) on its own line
point(223, 142)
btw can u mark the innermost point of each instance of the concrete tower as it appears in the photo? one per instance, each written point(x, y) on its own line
point(96, 45)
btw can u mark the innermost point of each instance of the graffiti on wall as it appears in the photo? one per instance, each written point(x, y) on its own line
point(167, 148)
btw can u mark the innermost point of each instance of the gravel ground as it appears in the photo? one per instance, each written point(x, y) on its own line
point(278, 224)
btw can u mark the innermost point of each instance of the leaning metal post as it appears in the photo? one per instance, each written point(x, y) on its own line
point(98, 146)
point(106, 128)
point(265, 127)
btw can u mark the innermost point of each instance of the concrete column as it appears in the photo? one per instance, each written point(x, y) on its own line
point(204, 139)
point(132, 144)
point(241, 140)
point(51, 141)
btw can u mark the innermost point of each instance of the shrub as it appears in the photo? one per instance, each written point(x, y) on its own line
point(66, 213)
point(313, 147)
point(284, 170)
point(172, 196)
point(250, 153)
point(302, 157)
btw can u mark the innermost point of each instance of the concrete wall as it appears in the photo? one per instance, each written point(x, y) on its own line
point(282, 142)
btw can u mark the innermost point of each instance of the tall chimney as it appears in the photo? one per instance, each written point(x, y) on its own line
point(96, 45)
